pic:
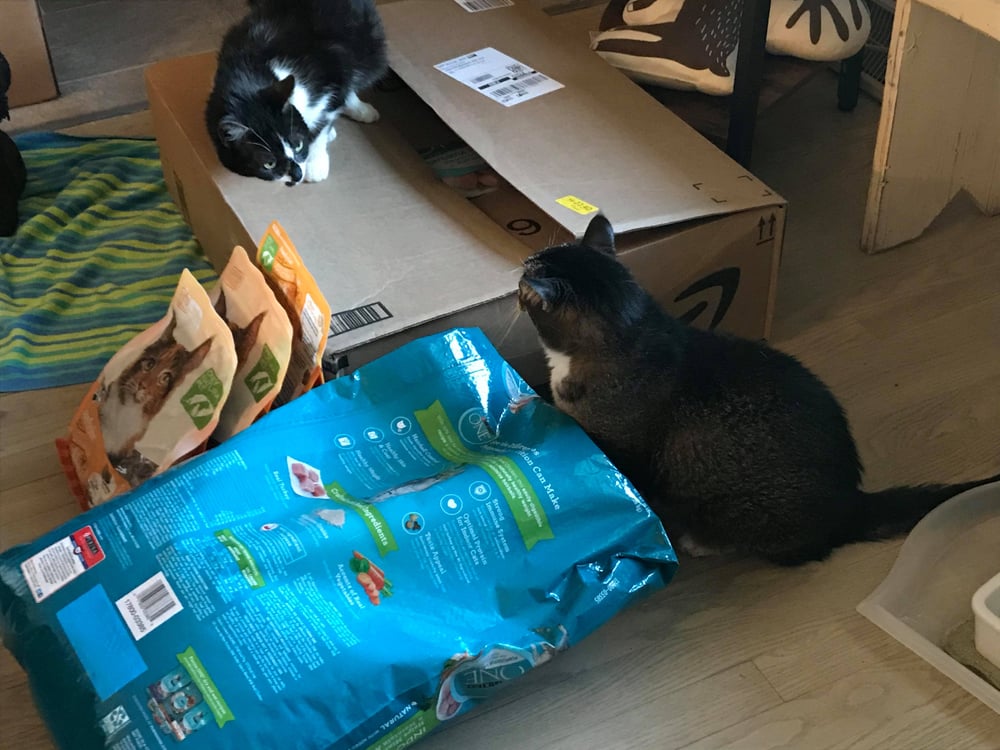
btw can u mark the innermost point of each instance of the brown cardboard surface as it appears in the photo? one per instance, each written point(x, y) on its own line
point(398, 254)
point(618, 149)
point(382, 221)
point(23, 44)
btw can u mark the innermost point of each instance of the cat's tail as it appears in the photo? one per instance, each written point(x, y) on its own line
point(897, 510)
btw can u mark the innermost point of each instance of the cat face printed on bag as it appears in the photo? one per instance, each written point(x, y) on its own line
point(100, 486)
point(245, 338)
point(263, 135)
point(577, 294)
point(130, 402)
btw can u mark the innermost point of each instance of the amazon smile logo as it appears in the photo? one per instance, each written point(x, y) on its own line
point(727, 280)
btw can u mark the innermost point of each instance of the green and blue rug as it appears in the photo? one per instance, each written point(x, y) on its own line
point(95, 259)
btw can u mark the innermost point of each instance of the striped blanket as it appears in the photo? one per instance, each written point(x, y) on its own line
point(95, 260)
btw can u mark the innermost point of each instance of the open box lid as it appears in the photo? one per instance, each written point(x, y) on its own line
point(598, 138)
point(381, 232)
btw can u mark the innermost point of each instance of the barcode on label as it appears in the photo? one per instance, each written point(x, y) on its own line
point(350, 320)
point(474, 6)
point(522, 85)
point(499, 76)
point(148, 606)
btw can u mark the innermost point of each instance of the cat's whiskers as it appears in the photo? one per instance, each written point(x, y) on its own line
point(294, 96)
point(260, 139)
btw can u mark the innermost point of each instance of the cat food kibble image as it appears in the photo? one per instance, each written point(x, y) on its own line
point(305, 479)
point(157, 400)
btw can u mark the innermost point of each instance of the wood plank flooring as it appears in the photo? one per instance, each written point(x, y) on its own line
point(736, 654)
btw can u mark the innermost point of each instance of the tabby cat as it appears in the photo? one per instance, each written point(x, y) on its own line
point(129, 403)
point(245, 338)
point(735, 445)
point(285, 72)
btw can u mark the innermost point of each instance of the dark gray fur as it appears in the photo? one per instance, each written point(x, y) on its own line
point(734, 444)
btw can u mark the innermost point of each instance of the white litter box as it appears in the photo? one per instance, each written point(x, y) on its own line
point(986, 609)
point(926, 601)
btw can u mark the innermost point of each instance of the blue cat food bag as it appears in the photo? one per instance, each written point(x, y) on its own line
point(353, 571)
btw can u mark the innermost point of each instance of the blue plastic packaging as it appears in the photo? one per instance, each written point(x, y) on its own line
point(353, 571)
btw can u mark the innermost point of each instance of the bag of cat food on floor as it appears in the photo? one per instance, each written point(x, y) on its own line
point(354, 570)
point(307, 309)
point(156, 400)
point(262, 334)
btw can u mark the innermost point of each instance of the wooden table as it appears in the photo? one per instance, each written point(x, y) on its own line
point(940, 126)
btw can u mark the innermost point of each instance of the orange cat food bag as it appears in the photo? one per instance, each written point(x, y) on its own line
point(262, 334)
point(156, 400)
point(307, 309)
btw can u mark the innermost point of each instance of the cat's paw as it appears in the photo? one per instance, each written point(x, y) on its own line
point(360, 111)
point(316, 167)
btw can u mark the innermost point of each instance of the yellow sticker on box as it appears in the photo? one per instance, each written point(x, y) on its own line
point(578, 205)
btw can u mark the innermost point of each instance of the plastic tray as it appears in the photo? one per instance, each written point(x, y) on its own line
point(986, 608)
point(951, 553)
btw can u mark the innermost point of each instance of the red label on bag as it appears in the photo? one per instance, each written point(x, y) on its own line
point(88, 549)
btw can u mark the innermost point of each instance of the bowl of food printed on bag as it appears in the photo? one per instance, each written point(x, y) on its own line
point(371, 577)
point(306, 480)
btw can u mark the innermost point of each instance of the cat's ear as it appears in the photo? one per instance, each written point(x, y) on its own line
point(168, 332)
point(254, 328)
point(282, 90)
point(197, 357)
point(232, 130)
point(600, 236)
point(545, 292)
point(220, 304)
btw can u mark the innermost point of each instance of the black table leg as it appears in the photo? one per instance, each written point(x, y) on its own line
point(849, 82)
point(747, 82)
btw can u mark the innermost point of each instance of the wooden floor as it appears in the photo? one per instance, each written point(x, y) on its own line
point(100, 47)
point(736, 654)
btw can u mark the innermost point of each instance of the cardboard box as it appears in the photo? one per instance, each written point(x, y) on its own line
point(22, 42)
point(399, 254)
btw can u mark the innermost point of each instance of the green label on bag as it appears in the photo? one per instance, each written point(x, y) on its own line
point(411, 730)
point(264, 376)
point(268, 252)
point(371, 515)
point(209, 692)
point(527, 510)
point(247, 565)
point(202, 398)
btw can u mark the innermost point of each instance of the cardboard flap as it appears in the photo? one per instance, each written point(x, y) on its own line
point(382, 233)
point(600, 138)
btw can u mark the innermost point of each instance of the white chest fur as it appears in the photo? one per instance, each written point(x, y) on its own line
point(120, 423)
point(312, 111)
point(559, 368)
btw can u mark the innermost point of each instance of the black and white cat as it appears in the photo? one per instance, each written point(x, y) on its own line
point(734, 444)
point(285, 72)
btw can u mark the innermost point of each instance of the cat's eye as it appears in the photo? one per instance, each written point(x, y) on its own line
point(147, 364)
point(166, 379)
point(270, 164)
point(298, 145)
